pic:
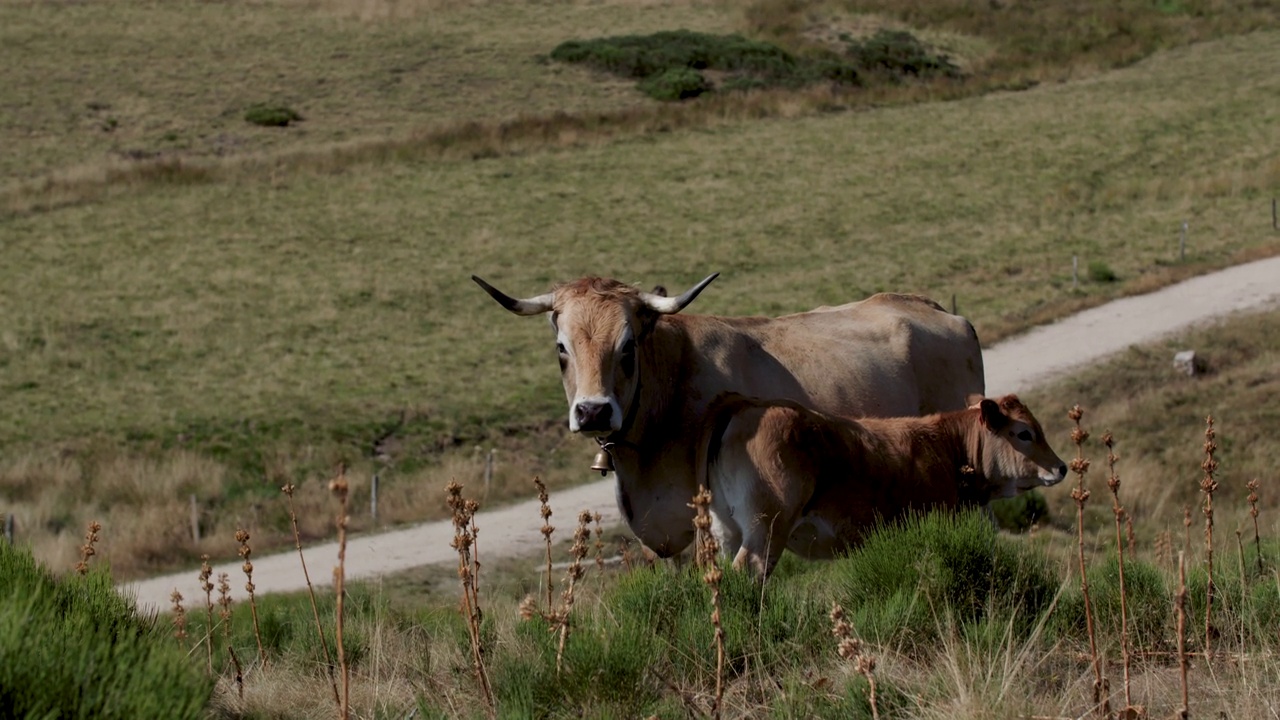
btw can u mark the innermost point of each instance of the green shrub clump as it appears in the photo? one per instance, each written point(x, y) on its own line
point(673, 65)
point(899, 54)
point(74, 648)
point(268, 115)
point(912, 578)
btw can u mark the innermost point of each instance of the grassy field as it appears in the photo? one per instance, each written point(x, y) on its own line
point(222, 332)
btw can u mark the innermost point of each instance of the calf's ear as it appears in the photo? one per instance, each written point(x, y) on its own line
point(992, 417)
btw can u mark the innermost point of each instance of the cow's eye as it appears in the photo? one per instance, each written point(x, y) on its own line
point(628, 351)
point(1025, 436)
point(560, 349)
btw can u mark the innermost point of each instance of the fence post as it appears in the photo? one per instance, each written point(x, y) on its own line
point(195, 519)
point(373, 498)
point(1075, 271)
point(953, 304)
point(488, 471)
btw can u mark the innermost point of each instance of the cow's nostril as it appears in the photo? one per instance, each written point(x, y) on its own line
point(1062, 470)
point(593, 416)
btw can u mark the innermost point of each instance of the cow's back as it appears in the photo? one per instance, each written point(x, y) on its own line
point(889, 355)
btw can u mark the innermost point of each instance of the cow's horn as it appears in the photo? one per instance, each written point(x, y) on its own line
point(529, 306)
point(667, 306)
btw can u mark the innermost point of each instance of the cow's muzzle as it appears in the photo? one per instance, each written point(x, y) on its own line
point(592, 416)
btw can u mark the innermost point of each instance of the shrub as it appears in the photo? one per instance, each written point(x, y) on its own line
point(909, 576)
point(1147, 600)
point(271, 115)
point(1100, 272)
point(675, 84)
point(74, 648)
point(898, 53)
point(1018, 514)
point(670, 64)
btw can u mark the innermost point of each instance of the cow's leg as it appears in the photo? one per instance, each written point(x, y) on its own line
point(727, 533)
point(764, 541)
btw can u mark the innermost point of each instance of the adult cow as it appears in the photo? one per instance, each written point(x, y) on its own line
point(639, 377)
point(783, 476)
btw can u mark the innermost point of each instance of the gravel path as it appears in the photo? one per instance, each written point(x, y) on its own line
point(1013, 365)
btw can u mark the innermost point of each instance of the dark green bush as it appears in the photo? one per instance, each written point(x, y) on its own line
point(675, 84)
point(74, 648)
point(268, 115)
point(899, 54)
point(1018, 514)
point(670, 64)
point(911, 578)
point(1100, 271)
point(1148, 601)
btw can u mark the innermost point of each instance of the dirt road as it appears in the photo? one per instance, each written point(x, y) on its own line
point(1011, 366)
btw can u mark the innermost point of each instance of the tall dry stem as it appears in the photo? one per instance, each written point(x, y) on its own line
point(179, 618)
point(705, 555)
point(1080, 466)
point(1181, 604)
point(239, 676)
point(599, 548)
point(338, 486)
point(1253, 512)
point(87, 549)
point(1207, 486)
point(288, 489)
point(547, 529)
point(1113, 483)
point(850, 648)
point(578, 551)
point(205, 572)
point(242, 537)
point(224, 604)
point(464, 536)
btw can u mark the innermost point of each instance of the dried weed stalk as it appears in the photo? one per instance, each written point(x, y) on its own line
point(239, 676)
point(1164, 547)
point(464, 538)
point(1113, 483)
point(242, 537)
point(224, 604)
point(1080, 466)
point(340, 489)
point(1253, 512)
point(205, 572)
point(705, 555)
point(599, 547)
point(1180, 602)
point(850, 648)
point(288, 489)
point(87, 550)
point(1207, 486)
point(578, 551)
point(547, 529)
point(179, 618)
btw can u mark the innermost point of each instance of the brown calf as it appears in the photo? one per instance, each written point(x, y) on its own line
point(783, 476)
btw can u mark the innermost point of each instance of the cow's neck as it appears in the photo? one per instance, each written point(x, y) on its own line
point(653, 456)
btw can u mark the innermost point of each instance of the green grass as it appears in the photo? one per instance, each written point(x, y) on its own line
point(73, 648)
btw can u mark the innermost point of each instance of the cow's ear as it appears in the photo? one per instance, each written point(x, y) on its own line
point(992, 417)
point(973, 399)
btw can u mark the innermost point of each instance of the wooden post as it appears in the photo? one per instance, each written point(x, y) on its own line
point(373, 498)
point(195, 519)
point(1075, 271)
point(953, 304)
point(488, 471)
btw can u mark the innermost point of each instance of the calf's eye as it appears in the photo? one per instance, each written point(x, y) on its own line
point(1025, 436)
